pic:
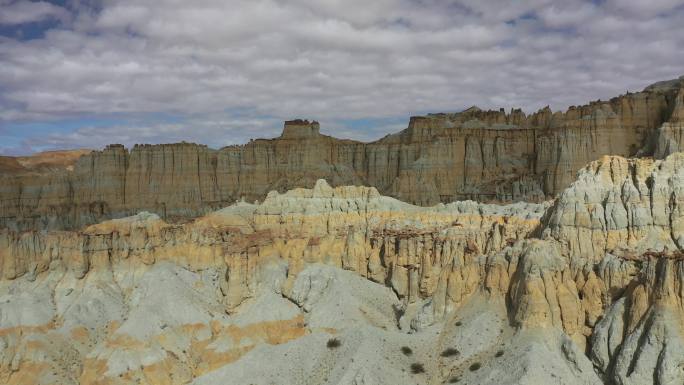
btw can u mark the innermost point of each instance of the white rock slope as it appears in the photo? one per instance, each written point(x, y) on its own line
point(345, 286)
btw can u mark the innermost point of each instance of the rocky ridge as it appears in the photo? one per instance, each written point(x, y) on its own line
point(493, 156)
point(585, 289)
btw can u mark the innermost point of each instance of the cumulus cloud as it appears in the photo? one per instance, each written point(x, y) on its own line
point(23, 11)
point(331, 60)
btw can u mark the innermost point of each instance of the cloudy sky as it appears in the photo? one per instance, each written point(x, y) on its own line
point(84, 73)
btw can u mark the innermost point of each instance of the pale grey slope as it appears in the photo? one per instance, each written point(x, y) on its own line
point(475, 344)
point(531, 357)
point(336, 298)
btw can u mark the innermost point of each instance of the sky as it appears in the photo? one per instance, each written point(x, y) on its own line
point(86, 73)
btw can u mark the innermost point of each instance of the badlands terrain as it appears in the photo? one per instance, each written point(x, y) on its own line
point(480, 247)
point(487, 156)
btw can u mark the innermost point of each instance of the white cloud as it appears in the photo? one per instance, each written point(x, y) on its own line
point(330, 59)
point(23, 11)
point(641, 8)
point(569, 14)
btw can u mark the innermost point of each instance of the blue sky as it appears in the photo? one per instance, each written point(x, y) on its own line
point(85, 73)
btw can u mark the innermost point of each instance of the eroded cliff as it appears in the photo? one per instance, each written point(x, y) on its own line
point(585, 289)
point(475, 154)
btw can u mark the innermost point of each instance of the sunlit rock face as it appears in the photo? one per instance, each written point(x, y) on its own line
point(146, 266)
point(490, 156)
point(343, 285)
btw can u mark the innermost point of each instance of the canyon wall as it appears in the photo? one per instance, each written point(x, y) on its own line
point(475, 154)
point(147, 267)
point(599, 272)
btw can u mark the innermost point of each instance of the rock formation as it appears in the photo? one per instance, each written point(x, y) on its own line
point(475, 154)
point(586, 289)
point(148, 266)
point(670, 137)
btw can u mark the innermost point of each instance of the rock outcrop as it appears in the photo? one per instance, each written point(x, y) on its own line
point(670, 137)
point(590, 284)
point(131, 267)
point(640, 339)
point(475, 154)
point(623, 207)
point(354, 228)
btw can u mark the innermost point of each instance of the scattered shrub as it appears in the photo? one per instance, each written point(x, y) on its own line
point(499, 353)
point(406, 350)
point(334, 343)
point(458, 323)
point(475, 366)
point(454, 380)
point(417, 368)
point(450, 352)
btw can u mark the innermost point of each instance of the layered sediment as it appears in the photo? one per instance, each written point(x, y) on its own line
point(474, 154)
point(590, 284)
point(149, 266)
